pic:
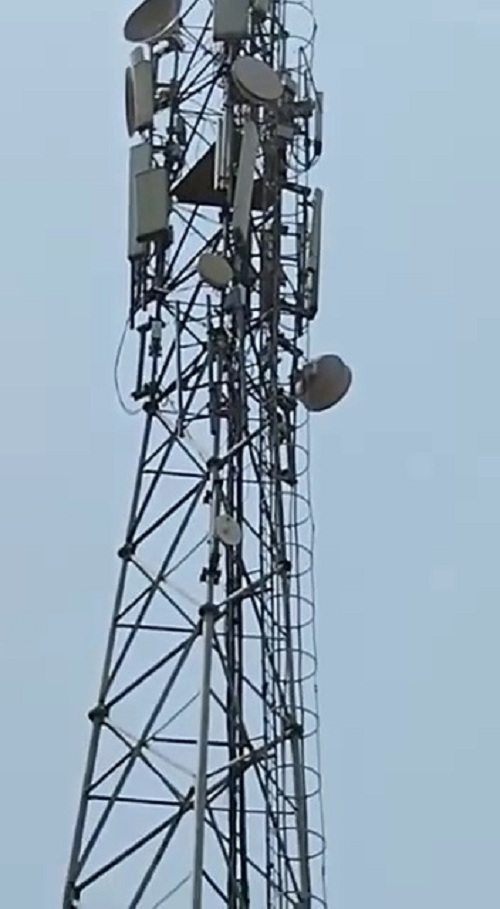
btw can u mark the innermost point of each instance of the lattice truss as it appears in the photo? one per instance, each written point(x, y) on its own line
point(202, 778)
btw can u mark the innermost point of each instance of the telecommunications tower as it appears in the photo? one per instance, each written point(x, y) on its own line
point(201, 786)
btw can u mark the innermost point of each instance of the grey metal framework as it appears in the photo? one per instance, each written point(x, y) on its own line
point(202, 782)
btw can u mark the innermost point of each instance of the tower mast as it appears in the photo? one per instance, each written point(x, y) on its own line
point(201, 782)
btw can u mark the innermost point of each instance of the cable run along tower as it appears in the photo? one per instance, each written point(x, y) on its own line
point(201, 785)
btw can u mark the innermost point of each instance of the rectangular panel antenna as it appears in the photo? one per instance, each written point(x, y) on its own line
point(245, 181)
point(221, 165)
point(314, 257)
point(153, 203)
point(144, 107)
point(231, 20)
point(140, 158)
point(318, 124)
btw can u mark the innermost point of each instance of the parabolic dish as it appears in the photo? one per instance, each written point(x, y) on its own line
point(256, 81)
point(152, 21)
point(323, 383)
point(227, 530)
point(215, 270)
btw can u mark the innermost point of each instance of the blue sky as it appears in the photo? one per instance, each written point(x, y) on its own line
point(406, 472)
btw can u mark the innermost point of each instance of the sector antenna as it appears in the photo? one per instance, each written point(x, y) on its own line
point(201, 785)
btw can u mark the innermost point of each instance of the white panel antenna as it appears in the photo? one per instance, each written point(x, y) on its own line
point(231, 20)
point(139, 92)
point(314, 256)
point(140, 159)
point(245, 180)
point(153, 204)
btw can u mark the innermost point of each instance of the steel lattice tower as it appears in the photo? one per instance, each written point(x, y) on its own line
point(202, 782)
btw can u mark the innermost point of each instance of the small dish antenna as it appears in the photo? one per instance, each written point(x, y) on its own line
point(256, 82)
point(227, 530)
point(152, 21)
point(215, 270)
point(323, 383)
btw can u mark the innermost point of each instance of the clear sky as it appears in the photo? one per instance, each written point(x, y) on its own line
point(406, 473)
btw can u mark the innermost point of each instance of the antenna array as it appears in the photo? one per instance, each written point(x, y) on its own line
point(202, 779)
